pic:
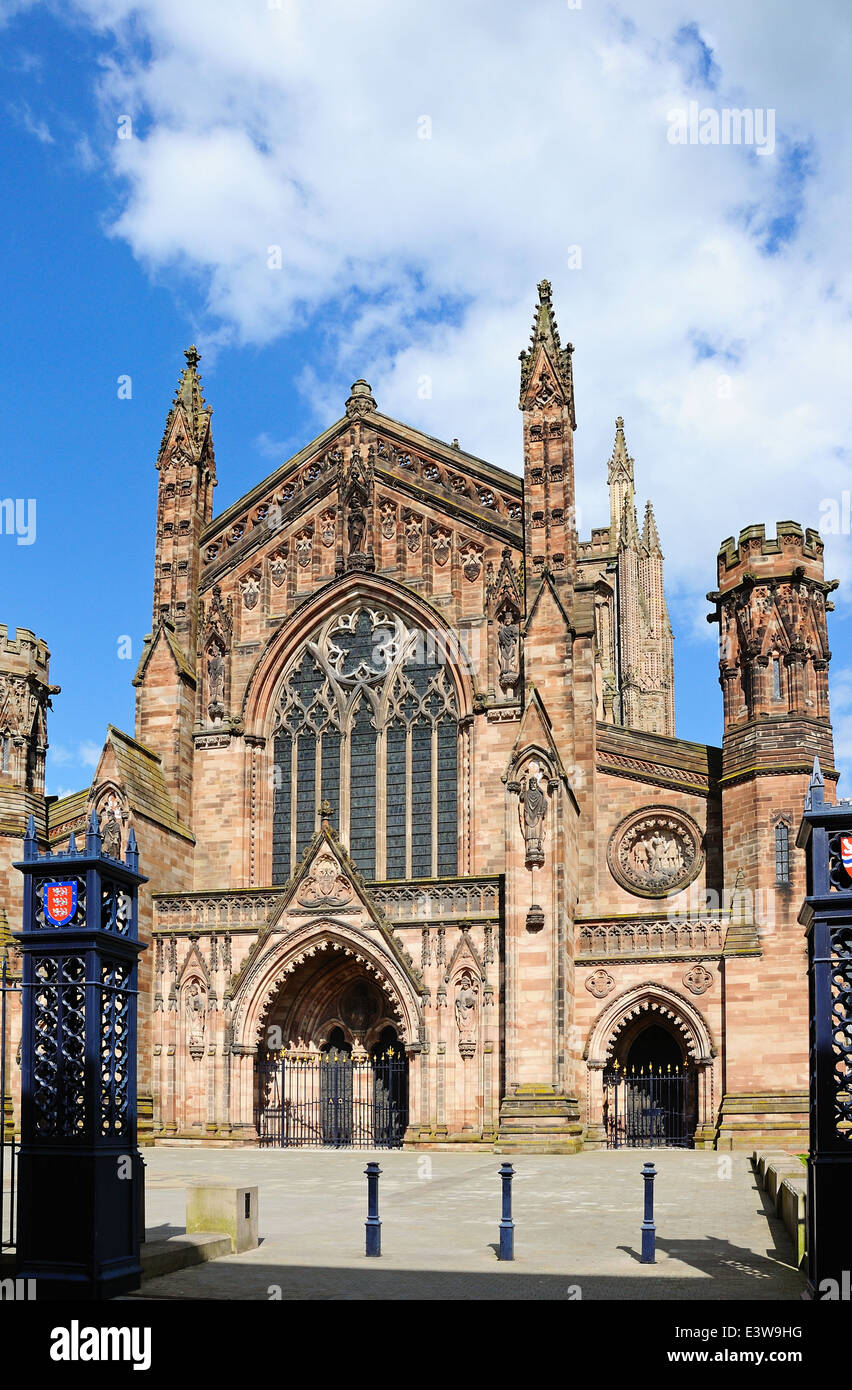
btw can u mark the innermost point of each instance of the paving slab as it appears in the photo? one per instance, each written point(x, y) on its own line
point(577, 1227)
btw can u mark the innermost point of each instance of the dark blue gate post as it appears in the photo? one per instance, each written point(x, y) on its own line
point(78, 1166)
point(826, 835)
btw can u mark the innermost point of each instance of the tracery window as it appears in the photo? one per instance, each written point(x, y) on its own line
point(367, 718)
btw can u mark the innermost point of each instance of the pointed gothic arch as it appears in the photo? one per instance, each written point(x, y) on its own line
point(332, 941)
point(650, 1003)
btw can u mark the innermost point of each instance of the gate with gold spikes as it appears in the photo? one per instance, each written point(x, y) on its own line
point(647, 1107)
point(331, 1099)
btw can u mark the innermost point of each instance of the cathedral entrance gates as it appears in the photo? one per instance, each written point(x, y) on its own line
point(646, 1108)
point(332, 1100)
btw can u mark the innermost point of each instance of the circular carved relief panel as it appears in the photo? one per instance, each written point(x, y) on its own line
point(655, 852)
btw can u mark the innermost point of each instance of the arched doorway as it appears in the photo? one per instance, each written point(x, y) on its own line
point(650, 1092)
point(332, 1071)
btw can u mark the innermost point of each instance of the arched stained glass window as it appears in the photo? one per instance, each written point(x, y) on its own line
point(367, 718)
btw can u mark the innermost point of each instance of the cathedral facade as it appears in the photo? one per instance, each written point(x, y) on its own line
point(405, 783)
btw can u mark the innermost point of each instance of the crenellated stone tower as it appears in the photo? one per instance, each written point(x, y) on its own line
point(771, 608)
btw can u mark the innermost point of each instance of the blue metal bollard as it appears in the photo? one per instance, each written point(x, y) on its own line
point(507, 1225)
point(374, 1225)
point(649, 1230)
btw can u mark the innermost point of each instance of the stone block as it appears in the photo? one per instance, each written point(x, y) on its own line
point(792, 1208)
point(776, 1172)
point(221, 1207)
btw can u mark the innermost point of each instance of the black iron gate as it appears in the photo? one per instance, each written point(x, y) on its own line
point(332, 1101)
point(647, 1109)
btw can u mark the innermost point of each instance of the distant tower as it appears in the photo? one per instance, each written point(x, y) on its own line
point(25, 692)
point(166, 678)
point(771, 608)
point(644, 679)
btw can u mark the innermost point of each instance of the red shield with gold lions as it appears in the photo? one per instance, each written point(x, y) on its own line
point(60, 902)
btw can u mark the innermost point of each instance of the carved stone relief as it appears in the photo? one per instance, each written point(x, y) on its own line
point(655, 852)
point(600, 984)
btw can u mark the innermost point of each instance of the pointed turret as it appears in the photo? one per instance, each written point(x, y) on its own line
point(189, 404)
point(650, 536)
point(547, 402)
point(166, 678)
point(545, 342)
point(187, 470)
point(628, 531)
point(619, 478)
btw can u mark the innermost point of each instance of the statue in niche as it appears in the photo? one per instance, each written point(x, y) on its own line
point(466, 1001)
point(533, 810)
point(356, 525)
point(111, 834)
point(215, 682)
point(195, 1019)
point(508, 649)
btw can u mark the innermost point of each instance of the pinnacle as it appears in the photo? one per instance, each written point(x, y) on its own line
point(545, 334)
point(650, 535)
point(360, 400)
point(620, 457)
point(629, 531)
point(189, 395)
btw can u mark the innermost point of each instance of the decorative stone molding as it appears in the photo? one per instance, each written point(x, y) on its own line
point(698, 979)
point(535, 918)
point(600, 984)
point(653, 999)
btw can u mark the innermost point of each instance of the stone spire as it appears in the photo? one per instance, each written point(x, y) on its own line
point(544, 340)
point(628, 536)
point(189, 397)
point(620, 480)
point(650, 536)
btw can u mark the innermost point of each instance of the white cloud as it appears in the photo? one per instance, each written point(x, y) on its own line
point(298, 127)
point(34, 125)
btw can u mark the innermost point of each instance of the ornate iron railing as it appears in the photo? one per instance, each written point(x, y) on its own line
point(8, 1143)
point(331, 1100)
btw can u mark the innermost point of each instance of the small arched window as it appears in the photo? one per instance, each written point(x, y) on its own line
point(367, 718)
point(782, 855)
point(776, 678)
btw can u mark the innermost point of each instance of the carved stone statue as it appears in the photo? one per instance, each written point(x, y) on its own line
point(356, 526)
point(508, 650)
point(215, 683)
point(111, 834)
point(533, 810)
point(466, 1002)
point(195, 1019)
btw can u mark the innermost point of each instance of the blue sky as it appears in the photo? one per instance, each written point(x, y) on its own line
point(706, 289)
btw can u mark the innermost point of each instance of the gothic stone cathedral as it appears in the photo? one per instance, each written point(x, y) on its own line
point(405, 783)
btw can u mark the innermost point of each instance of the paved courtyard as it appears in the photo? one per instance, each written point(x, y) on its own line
point(577, 1227)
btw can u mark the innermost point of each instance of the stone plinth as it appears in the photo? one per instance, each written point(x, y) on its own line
point(220, 1207)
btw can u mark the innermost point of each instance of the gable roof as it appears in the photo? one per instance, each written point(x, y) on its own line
point(477, 469)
